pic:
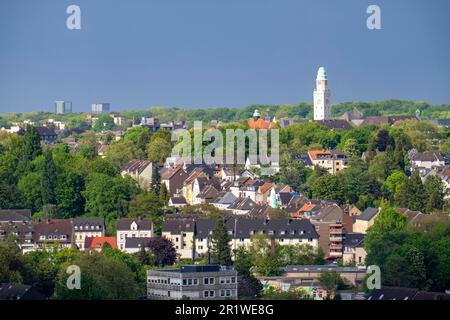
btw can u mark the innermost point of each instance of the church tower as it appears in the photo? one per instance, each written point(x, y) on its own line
point(322, 109)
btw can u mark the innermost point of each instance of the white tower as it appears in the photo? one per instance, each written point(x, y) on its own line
point(322, 96)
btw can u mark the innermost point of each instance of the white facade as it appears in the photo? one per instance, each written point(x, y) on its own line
point(133, 232)
point(322, 109)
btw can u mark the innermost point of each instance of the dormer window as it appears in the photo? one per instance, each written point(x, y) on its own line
point(134, 226)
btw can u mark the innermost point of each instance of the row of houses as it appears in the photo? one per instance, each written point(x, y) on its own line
point(432, 163)
point(82, 233)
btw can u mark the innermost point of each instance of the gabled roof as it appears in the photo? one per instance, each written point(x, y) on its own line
point(15, 215)
point(354, 240)
point(368, 214)
point(136, 243)
point(225, 198)
point(178, 225)
point(136, 166)
point(303, 156)
point(96, 243)
point(89, 222)
point(335, 124)
point(428, 156)
point(54, 227)
point(208, 193)
point(168, 173)
point(178, 200)
point(285, 198)
point(243, 204)
point(142, 223)
point(265, 187)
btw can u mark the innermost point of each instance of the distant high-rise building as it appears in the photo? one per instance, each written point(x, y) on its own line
point(101, 107)
point(62, 107)
point(322, 109)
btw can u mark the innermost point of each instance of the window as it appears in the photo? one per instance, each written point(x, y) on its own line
point(208, 281)
point(208, 294)
point(225, 293)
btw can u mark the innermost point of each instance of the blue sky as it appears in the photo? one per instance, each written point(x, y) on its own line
point(219, 53)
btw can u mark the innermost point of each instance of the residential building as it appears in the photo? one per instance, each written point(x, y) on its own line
point(150, 123)
point(224, 200)
point(365, 220)
point(98, 243)
point(192, 236)
point(426, 160)
point(354, 251)
point(196, 282)
point(141, 171)
point(181, 232)
point(47, 135)
point(98, 108)
point(173, 178)
point(63, 107)
point(54, 232)
point(177, 202)
point(134, 245)
point(133, 228)
point(331, 223)
point(331, 160)
point(87, 228)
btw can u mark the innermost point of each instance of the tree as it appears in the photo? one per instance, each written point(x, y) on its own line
point(48, 179)
point(106, 196)
point(434, 193)
point(30, 148)
point(264, 256)
point(411, 193)
point(121, 152)
point(30, 186)
point(70, 200)
point(221, 251)
point(331, 281)
point(103, 278)
point(155, 183)
point(163, 195)
point(163, 250)
point(293, 172)
point(87, 145)
point(351, 147)
point(328, 187)
point(145, 258)
point(394, 181)
point(104, 123)
point(147, 204)
point(158, 150)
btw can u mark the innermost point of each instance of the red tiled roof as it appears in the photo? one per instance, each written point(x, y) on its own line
point(98, 242)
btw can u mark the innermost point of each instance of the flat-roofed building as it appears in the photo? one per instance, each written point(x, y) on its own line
point(196, 282)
